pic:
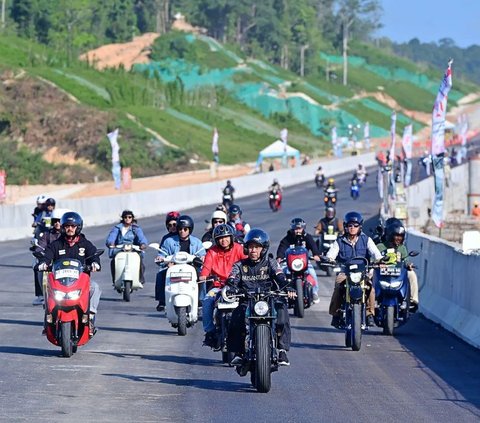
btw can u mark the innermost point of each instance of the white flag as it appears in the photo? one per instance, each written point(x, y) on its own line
point(407, 141)
point(113, 137)
point(215, 141)
point(392, 135)
point(440, 111)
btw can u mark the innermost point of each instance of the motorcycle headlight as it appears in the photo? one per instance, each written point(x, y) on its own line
point(261, 308)
point(297, 264)
point(390, 285)
point(59, 295)
point(356, 277)
point(73, 295)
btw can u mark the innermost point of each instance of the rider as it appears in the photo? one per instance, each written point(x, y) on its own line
point(299, 237)
point(218, 218)
point(275, 186)
point(73, 244)
point(183, 240)
point(360, 173)
point(218, 264)
point(330, 187)
point(171, 225)
point(319, 176)
point(354, 243)
point(329, 220)
point(235, 220)
point(43, 241)
point(43, 220)
point(255, 271)
point(229, 190)
point(126, 232)
point(39, 208)
point(394, 239)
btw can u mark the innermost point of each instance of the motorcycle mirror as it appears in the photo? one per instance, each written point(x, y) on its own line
point(207, 244)
point(337, 269)
point(413, 253)
point(154, 245)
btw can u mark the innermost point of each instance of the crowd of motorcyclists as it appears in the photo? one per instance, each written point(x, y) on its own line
point(237, 257)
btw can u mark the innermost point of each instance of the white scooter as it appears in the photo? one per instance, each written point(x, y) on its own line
point(127, 269)
point(181, 289)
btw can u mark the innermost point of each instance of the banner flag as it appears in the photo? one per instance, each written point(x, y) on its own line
point(215, 150)
point(438, 144)
point(116, 170)
point(391, 188)
point(366, 135)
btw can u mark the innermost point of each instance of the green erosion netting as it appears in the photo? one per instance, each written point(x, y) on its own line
point(396, 74)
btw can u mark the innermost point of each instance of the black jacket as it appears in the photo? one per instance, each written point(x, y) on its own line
point(81, 250)
point(248, 275)
point(306, 241)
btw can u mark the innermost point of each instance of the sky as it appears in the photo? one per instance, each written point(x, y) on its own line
point(431, 20)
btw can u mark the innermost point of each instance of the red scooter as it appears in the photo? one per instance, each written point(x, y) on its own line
point(275, 199)
point(67, 297)
point(296, 258)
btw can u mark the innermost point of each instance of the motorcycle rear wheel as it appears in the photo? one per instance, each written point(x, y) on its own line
point(263, 377)
point(299, 307)
point(66, 339)
point(389, 321)
point(182, 321)
point(127, 289)
point(356, 327)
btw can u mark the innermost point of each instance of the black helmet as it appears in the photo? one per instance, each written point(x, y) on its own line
point(126, 213)
point(50, 202)
point(394, 227)
point(229, 182)
point(173, 215)
point(257, 236)
point(297, 223)
point(185, 221)
point(72, 218)
point(330, 212)
point(234, 209)
point(353, 217)
point(223, 230)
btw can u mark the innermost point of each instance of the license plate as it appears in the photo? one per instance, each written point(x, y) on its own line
point(328, 237)
point(226, 306)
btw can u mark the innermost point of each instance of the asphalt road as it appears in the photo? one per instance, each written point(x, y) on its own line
point(136, 369)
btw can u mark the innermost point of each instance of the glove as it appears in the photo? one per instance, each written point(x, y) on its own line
point(95, 267)
point(143, 246)
point(42, 267)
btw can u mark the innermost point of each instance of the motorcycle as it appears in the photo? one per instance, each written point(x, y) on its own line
point(319, 180)
point(274, 199)
point(392, 292)
point(127, 269)
point(181, 288)
point(353, 308)
point(67, 298)
point(324, 242)
point(222, 315)
point(296, 258)
point(354, 189)
point(227, 200)
point(330, 198)
point(261, 355)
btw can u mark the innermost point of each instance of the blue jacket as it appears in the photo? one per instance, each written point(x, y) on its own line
point(172, 245)
point(347, 251)
point(134, 235)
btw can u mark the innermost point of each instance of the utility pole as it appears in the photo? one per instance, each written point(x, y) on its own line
point(346, 23)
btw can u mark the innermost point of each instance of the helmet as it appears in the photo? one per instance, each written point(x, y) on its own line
point(275, 181)
point(331, 181)
point(297, 223)
point(234, 209)
point(319, 168)
point(222, 230)
point(257, 236)
point(360, 166)
point(218, 214)
point(127, 213)
point(50, 202)
point(221, 207)
point(173, 215)
point(41, 199)
point(229, 182)
point(394, 228)
point(329, 212)
point(58, 213)
point(185, 221)
point(74, 219)
point(353, 217)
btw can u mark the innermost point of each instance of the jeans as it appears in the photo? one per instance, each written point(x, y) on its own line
point(311, 271)
point(208, 306)
point(95, 293)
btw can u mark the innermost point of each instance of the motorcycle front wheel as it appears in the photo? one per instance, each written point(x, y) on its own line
point(66, 341)
point(356, 327)
point(263, 353)
point(182, 321)
point(299, 308)
point(127, 289)
point(388, 321)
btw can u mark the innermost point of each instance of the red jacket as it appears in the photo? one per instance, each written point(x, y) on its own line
point(219, 262)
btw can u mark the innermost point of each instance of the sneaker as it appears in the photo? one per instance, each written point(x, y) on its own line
point(413, 307)
point(370, 320)
point(336, 322)
point(210, 339)
point(160, 307)
point(316, 300)
point(237, 361)
point(91, 325)
point(38, 301)
point(282, 358)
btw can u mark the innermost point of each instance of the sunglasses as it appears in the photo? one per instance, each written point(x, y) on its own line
point(128, 217)
point(69, 225)
point(172, 225)
point(218, 221)
point(183, 229)
point(353, 225)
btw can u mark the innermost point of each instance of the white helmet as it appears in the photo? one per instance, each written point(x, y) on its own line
point(218, 214)
point(41, 199)
point(58, 213)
